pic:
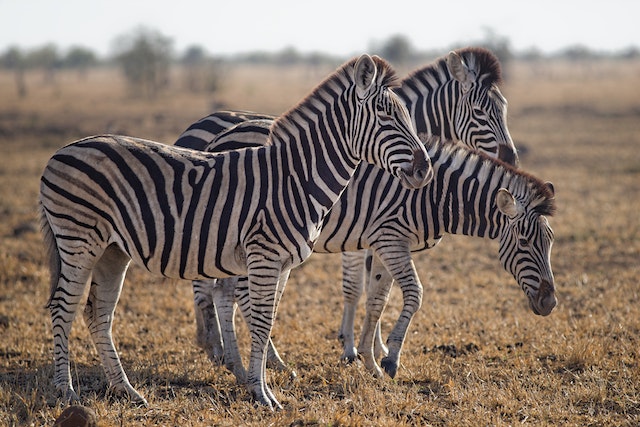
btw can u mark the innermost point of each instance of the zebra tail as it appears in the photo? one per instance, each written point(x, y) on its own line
point(52, 253)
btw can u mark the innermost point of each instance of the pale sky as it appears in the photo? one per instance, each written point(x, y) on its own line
point(338, 27)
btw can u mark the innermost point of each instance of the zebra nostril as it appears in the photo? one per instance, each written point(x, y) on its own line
point(421, 166)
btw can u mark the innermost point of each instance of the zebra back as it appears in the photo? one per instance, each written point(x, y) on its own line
point(197, 135)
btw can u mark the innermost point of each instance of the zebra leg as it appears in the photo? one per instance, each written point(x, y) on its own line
point(265, 279)
point(378, 287)
point(352, 285)
point(63, 306)
point(379, 347)
point(106, 285)
point(208, 335)
point(274, 360)
point(401, 267)
point(226, 307)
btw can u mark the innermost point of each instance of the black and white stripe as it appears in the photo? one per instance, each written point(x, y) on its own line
point(188, 214)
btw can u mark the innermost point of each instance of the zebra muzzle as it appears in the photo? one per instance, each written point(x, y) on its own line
point(546, 299)
point(420, 173)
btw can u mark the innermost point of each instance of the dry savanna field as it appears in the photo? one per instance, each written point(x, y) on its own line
point(475, 353)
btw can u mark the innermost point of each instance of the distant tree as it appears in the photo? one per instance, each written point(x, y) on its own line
point(14, 60)
point(287, 56)
point(194, 55)
point(577, 53)
point(200, 72)
point(632, 52)
point(145, 57)
point(47, 59)
point(80, 58)
point(396, 49)
point(500, 46)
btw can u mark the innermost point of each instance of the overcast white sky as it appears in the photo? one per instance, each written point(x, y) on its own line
point(338, 27)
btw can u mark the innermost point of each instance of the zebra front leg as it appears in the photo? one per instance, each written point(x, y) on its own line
point(378, 287)
point(208, 335)
point(404, 272)
point(266, 283)
point(106, 285)
point(352, 285)
point(274, 360)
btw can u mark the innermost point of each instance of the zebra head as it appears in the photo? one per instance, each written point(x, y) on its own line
point(382, 133)
point(525, 245)
point(480, 119)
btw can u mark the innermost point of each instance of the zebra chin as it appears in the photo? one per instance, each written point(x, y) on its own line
point(419, 174)
point(545, 301)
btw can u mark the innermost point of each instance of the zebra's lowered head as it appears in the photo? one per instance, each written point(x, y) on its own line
point(525, 243)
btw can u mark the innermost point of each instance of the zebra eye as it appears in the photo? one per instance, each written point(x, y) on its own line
point(523, 242)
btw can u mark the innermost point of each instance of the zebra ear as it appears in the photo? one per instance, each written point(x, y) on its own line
point(551, 188)
point(365, 74)
point(460, 71)
point(506, 203)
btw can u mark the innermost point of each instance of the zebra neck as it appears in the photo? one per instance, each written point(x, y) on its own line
point(463, 192)
point(314, 150)
point(429, 97)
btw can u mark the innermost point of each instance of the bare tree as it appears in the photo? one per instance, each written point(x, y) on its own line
point(145, 57)
point(14, 60)
point(47, 59)
point(397, 49)
point(80, 58)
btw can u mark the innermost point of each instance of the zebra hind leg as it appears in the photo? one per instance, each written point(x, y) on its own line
point(353, 268)
point(106, 285)
point(224, 302)
point(208, 334)
point(63, 305)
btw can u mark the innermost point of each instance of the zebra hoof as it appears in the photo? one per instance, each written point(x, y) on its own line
point(389, 366)
point(349, 356)
point(70, 396)
point(131, 395)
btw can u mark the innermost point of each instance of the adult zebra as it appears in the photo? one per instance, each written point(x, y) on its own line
point(471, 194)
point(456, 97)
point(107, 200)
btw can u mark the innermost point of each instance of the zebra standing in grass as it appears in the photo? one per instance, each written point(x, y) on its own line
point(186, 214)
point(471, 194)
point(457, 97)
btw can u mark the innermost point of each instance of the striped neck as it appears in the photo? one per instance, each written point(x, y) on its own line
point(315, 136)
point(463, 192)
point(428, 94)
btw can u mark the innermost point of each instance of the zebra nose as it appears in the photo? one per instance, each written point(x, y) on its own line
point(508, 155)
point(546, 299)
point(422, 169)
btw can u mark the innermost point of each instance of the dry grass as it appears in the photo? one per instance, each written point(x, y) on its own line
point(475, 354)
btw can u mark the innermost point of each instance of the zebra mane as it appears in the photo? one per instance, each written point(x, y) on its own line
point(525, 186)
point(480, 59)
point(342, 78)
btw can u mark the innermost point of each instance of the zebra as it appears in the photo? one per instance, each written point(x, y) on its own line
point(471, 194)
point(206, 129)
point(107, 200)
point(456, 97)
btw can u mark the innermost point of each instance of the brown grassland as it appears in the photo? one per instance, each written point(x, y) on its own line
point(475, 354)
